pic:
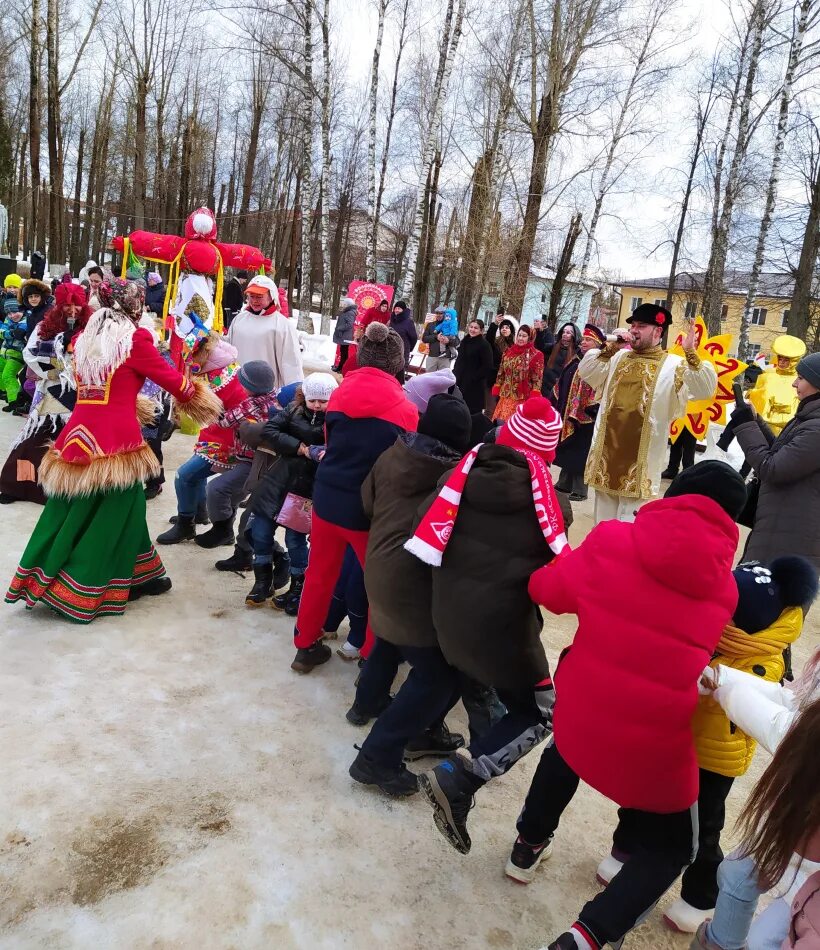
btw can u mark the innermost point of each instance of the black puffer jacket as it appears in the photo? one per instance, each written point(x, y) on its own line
point(291, 472)
point(399, 585)
point(486, 623)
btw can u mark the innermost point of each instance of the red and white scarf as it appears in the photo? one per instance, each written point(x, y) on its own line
point(436, 527)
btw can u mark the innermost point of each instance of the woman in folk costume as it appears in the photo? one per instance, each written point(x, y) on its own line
point(519, 376)
point(576, 401)
point(48, 358)
point(90, 552)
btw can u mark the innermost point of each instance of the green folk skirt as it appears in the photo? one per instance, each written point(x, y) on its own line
point(86, 554)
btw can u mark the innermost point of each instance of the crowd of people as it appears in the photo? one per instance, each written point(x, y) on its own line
point(422, 507)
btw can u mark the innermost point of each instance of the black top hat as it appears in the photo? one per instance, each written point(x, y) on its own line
point(651, 314)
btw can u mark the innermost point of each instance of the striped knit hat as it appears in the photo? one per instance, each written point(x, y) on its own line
point(535, 425)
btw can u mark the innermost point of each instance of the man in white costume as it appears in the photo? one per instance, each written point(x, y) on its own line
point(260, 331)
point(644, 390)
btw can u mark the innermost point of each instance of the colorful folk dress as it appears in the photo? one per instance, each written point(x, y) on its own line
point(91, 545)
point(519, 377)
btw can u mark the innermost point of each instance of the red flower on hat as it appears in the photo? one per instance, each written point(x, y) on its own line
point(660, 318)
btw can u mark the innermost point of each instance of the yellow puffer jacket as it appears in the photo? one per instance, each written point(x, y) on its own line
point(721, 746)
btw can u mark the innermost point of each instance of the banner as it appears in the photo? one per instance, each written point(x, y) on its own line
point(368, 295)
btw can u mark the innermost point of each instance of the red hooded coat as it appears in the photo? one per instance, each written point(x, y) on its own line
point(652, 599)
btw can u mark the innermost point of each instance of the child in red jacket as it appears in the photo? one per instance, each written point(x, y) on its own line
point(664, 592)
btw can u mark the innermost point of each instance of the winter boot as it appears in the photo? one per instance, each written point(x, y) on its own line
point(281, 569)
point(201, 516)
point(152, 588)
point(281, 601)
point(239, 561)
point(308, 657)
point(398, 782)
point(450, 788)
point(525, 858)
point(220, 532)
point(182, 530)
point(261, 589)
point(701, 940)
point(437, 740)
point(358, 716)
point(294, 595)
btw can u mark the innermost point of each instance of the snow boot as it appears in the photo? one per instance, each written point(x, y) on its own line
point(182, 530)
point(308, 657)
point(450, 788)
point(220, 532)
point(201, 516)
point(398, 782)
point(358, 716)
point(283, 601)
point(437, 740)
point(281, 569)
point(152, 588)
point(294, 595)
point(261, 589)
point(240, 561)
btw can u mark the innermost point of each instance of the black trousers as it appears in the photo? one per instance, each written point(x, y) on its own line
point(661, 846)
point(699, 885)
point(682, 451)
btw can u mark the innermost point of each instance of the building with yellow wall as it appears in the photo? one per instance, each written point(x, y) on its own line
point(769, 317)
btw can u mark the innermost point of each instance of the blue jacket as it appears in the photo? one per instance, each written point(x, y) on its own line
point(364, 417)
point(13, 335)
point(448, 324)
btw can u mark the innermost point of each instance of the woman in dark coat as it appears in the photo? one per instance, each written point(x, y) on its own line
point(401, 320)
point(564, 352)
point(343, 331)
point(501, 336)
point(474, 368)
point(787, 520)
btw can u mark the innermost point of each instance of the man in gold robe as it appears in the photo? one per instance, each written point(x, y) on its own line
point(644, 390)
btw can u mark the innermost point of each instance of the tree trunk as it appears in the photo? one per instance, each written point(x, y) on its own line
point(76, 263)
point(305, 284)
point(34, 125)
point(372, 240)
point(391, 115)
point(16, 211)
point(140, 133)
point(56, 249)
point(563, 269)
point(328, 301)
point(259, 100)
point(713, 301)
point(449, 43)
point(774, 175)
point(801, 305)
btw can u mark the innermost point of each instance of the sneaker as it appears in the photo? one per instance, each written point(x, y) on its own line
point(683, 918)
point(450, 788)
point(525, 859)
point(396, 782)
point(437, 740)
point(358, 716)
point(701, 941)
point(346, 651)
point(307, 658)
point(565, 942)
point(607, 869)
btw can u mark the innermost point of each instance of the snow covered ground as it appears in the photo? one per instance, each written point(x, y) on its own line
point(168, 782)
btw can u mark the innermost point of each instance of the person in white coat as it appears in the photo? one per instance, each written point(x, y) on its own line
point(644, 390)
point(766, 711)
point(260, 331)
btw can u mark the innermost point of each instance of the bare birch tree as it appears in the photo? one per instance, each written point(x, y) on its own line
point(372, 235)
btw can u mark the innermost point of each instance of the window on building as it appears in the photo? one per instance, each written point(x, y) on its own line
point(636, 302)
point(660, 302)
point(785, 321)
point(493, 287)
point(691, 310)
point(724, 312)
point(488, 315)
point(544, 296)
point(759, 316)
point(753, 351)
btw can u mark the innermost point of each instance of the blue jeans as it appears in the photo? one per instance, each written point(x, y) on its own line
point(297, 546)
point(190, 484)
point(731, 928)
point(262, 528)
point(349, 600)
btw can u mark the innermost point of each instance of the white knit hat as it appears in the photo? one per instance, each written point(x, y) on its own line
point(319, 386)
